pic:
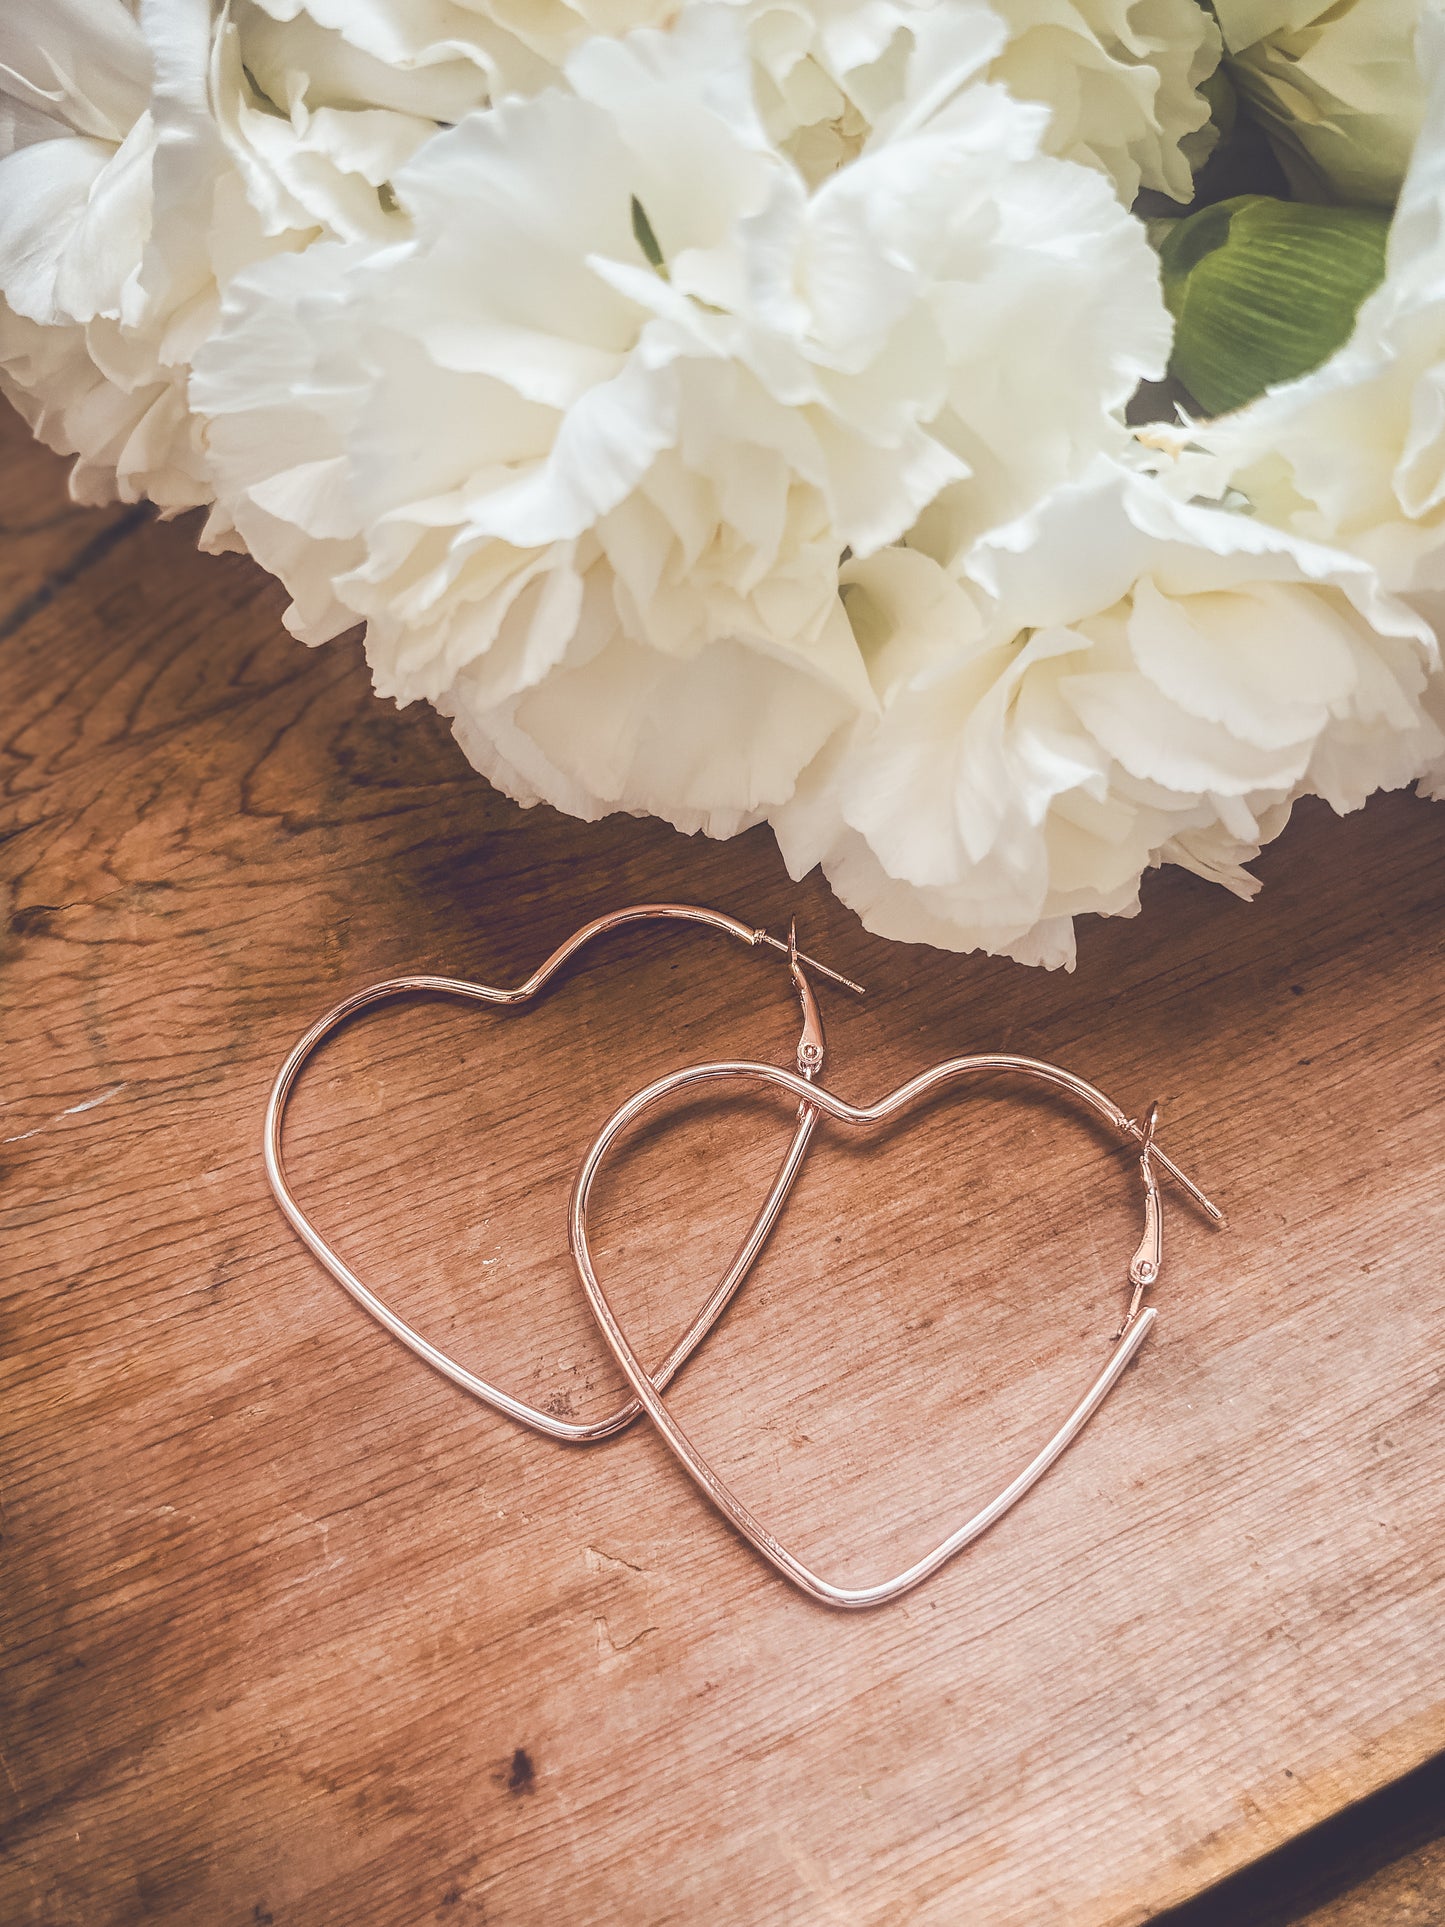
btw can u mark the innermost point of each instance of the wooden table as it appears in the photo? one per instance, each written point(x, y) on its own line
point(296, 1632)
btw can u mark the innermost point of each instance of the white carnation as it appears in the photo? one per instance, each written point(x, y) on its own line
point(1121, 80)
point(99, 270)
point(591, 502)
point(1119, 680)
point(450, 56)
point(1336, 82)
point(314, 129)
point(143, 166)
point(1354, 454)
point(827, 72)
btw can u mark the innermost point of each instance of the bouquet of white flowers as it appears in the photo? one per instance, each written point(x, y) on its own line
point(1001, 446)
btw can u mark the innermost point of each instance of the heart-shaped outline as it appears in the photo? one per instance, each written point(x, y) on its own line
point(1143, 1271)
point(572, 1433)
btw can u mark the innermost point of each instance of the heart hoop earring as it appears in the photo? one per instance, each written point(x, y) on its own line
point(809, 1061)
point(1144, 1268)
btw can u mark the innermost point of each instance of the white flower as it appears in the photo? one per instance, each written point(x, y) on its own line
point(445, 57)
point(1121, 80)
point(1121, 77)
point(1336, 82)
point(314, 129)
point(104, 141)
point(826, 72)
point(585, 449)
point(1354, 454)
point(143, 168)
point(1118, 680)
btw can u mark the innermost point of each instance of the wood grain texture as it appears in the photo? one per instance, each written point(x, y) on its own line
point(294, 1632)
point(1410, 1893)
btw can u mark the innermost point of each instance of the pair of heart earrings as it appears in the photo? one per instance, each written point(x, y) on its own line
point(812, 1101)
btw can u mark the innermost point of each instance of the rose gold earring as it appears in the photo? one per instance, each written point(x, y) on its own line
point(1144, 1268)
point(809, 1061)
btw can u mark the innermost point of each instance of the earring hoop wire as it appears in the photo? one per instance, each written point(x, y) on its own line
point(273, 1151)
point(1131, 1336)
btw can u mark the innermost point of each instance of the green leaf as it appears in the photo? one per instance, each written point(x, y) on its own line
point(1264, 290)
point(646, 239)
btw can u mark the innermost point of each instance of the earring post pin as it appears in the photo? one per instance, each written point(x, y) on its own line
point(791, 950)
point(1166, 1163)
